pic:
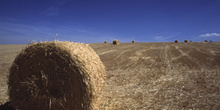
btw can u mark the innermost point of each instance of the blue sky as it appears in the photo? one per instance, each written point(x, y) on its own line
point(96, 21)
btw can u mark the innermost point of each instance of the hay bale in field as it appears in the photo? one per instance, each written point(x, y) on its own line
point(133, 41)
point(190, 41)
point(210, 41)
point(185, 41)
point(115, 42)
point(176, 41)
point(206, 41)
point(105, 42)
point(56, 75)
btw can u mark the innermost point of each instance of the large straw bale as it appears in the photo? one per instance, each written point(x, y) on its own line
point(133, 41)
point(56, 75)
point(206, 41)
point(185, 41)
point(105, 42)
point(115, 42)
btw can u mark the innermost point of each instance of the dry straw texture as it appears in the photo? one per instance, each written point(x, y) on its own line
point(56, 75)
point(176, 41)
point(115, 42)
point(133, 41)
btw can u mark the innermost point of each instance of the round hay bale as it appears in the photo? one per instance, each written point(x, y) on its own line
point(210, 41)
point(133, 41)
point(56, 75)
point(190, 41)
point(206, 41)
point(185, 41)
point(176, 41)
point(115, 42)
point(105, 42)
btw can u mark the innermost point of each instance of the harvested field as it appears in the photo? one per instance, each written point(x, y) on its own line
point(149, 75)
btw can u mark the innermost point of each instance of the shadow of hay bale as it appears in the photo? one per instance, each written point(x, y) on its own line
point(56, 75)
point(6, 106)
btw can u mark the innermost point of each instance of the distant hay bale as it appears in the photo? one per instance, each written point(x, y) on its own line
point(210, 41)
point(176, 41)
point(133, 41)
point(58, 76)
point(206, 41)
point(105, 42)
point(190, 41)
point(185, 41)
point(115, 42)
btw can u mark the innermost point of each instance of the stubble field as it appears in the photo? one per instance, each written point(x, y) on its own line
point(149, 75)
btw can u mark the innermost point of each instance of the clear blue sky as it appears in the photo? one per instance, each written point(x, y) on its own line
point(94, 21)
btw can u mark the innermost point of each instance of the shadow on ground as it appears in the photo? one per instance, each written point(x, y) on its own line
point(6, 106)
